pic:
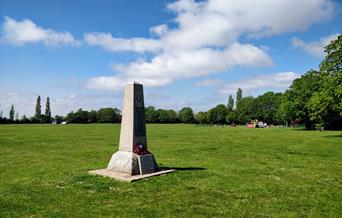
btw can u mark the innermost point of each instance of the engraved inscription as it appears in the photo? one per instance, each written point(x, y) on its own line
point(146, 164)
point(139, 98)
point(139, 122)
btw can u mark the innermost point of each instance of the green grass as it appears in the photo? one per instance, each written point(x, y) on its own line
point(223, 172)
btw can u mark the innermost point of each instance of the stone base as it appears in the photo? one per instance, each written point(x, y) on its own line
point(125, 162)
point(126, 177)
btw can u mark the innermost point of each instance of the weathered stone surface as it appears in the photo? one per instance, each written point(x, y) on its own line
point(133, 129)
point(124, 162)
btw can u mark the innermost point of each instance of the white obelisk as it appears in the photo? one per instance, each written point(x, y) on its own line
point(133, 157)
point(133, 161)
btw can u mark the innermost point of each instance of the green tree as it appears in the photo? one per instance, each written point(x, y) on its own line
point(59, 119)
point(80, 116)
point(230, 105)
point(231, 117)
point(118, 116)
point(217, 115)
point(24, 119)
point(48, 110)
point(244, 110)
point(70, 116)
point(108, 115)
point(298, 95)
point(325, 105)
point(38, 109)
point(238, 96)
point(11, 113)
point(150, 115)
point(186, 115)
point(266, 106)
point(162, 116)
point(332, 62)
point(92, 116)
point(172, 116)
point(201, 117)
point(282, 115)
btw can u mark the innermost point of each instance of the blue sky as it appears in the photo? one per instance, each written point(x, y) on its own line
point(186, 53)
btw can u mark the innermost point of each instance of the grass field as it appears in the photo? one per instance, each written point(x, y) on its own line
point(222, 172)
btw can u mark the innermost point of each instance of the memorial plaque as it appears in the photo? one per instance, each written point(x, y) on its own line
point(146, 164)
point(139, 121)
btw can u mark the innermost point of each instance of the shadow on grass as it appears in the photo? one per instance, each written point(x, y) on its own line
point(333, 136)
point(301, 129)
point(312, 130)
point(182, 168)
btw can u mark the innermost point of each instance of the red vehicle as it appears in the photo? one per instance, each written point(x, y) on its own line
point(250, 125)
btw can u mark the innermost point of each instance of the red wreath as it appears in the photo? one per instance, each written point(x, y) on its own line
point(140, 149)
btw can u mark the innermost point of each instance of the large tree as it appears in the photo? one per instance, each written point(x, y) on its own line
point(186, 115)
point(244, 110)
point(231, 117)
point(201, 117)
point(150, 115)
point(266, 106)
point(79, 116)
point(109, 115)
point(230, 105)
point(295, 106)
point(38, 108)
point(217, 115)
point(282, 115)
point(165, 116)
point(92, 116)
point(238, 96)
point(11, 113)
point(59, 119)
point(172, 115)
point(48, 109)
point(325, 105)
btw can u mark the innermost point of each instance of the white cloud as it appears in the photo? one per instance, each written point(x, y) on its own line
point(26, 31)
point(159, 30)
point(107, 42)
point(23, 102)
point(313, 48)
point(206, 39)
point(270, 81)
point(168, 67)
point(208, 82)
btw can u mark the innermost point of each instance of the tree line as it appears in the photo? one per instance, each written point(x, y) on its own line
point(316, 97)
point(104, 115)
point(37, 118)
point(313, 99)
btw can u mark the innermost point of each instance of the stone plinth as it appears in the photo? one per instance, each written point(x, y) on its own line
point(124, 177)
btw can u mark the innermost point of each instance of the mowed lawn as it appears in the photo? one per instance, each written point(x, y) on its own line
point(222, 172)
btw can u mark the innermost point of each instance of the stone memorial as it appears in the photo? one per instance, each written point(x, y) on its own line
point(132, 161)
